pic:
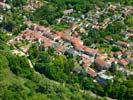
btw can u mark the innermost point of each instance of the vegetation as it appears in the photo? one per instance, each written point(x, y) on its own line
point(52, 76)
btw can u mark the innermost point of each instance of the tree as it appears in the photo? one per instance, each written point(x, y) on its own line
point(48, 13)
point(113, 67)
point(3, 62)
point(129, 21)
point(17, 3)
point(116, 27)
point(129, 94)
point(20, 66)
point(87, 84)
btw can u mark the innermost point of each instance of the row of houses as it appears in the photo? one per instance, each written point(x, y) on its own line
point(28, 35)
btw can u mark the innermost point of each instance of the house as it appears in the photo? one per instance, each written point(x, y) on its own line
point(2, 0)
point(123, 62)
point(102, 56)
point(68, 11)
point(67, 44)
point(31, 26)
point(91, 72)
point(77, 70)
point(112, 7)
point(74, 26)
point(131, 36)
point(86, 56)
point(86, 62)
point(60, 49)
point(130, 60)
point(128, 53)
point(34, 36)
point(76, 41)
point(82, 30)
point(26, 34)
point(66, 37)
point(55, 37)
point(4, 6)
point(118, 54)
point(72, 52)
point(78, 47)
point(101, 64)
point(1, 18)
point(47, 44)
point(90, 51)
point(123, 44)
point(40, 28)
point(52, 36)
point(125, 33)
point(95, 26)
point(103, 79)
point(106, 21)
point(130, 30)
point(60, 33)
point(108, 38)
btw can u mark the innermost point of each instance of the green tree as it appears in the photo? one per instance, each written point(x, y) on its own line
point(3, 62)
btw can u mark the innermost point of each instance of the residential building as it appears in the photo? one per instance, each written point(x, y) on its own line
point(68, 11)
point(103, 79)
point(123, 62)
point(4, 6)
point(91, 72)
point(101, 64)
point(90, 51)
point(123, 44)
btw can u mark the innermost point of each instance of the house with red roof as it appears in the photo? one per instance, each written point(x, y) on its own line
point(91, 72)
point(86, 62)
point(34, 36)
point(101, 64)
point(60, 49)
point(118, 54)
point(123, 62)
point(90, 51)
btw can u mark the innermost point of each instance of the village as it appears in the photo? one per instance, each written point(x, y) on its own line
point(66, 49)
point(69, 41)
point(63, 42)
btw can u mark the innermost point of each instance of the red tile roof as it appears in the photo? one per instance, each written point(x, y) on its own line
point(100, 63)
point(56, 37)
point(60, 33)
point(76, 41)
point(103, 56)
point(90, 50)
point(78, 44)
point(60, 48)
point(124, 62)
point(79, 47)
point(67, 37)
point(91, 72)
point(86, 62)
point(47, 42)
